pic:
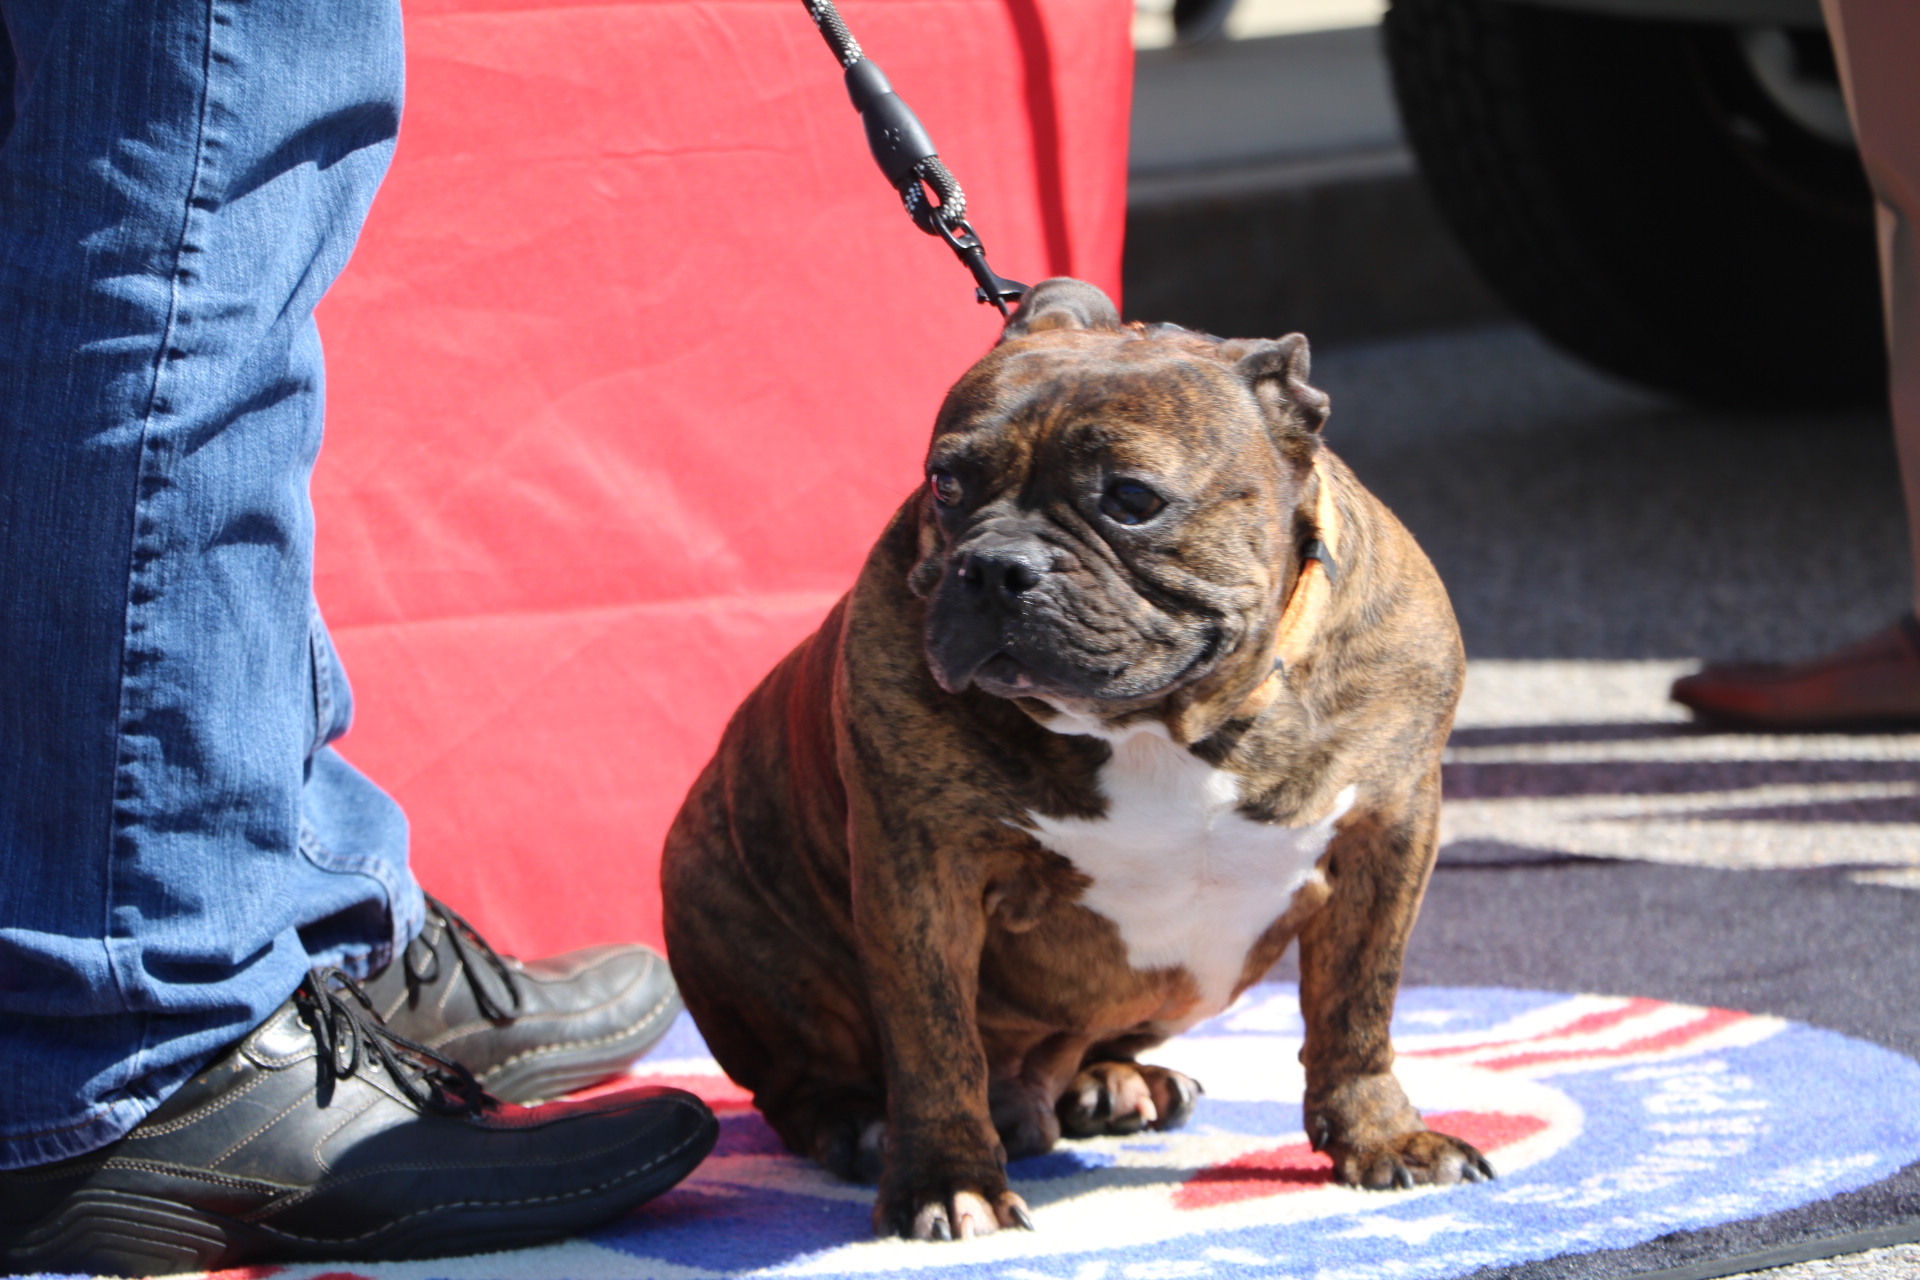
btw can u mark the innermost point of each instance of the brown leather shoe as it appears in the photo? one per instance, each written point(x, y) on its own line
point(1875, 681)
point(527, 1030)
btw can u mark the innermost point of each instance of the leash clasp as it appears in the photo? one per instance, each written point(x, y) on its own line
point(966, 246)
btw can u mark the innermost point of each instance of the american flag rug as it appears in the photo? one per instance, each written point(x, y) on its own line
point(1611, 1120)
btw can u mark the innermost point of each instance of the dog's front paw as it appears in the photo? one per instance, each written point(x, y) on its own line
point(947, 1208)
point(1377, 1139)
point(1419, 1158)
point(1119, 1098)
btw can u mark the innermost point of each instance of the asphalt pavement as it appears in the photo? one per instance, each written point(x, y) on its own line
point(1573, 516)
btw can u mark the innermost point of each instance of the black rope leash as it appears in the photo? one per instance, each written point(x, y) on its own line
point(906, 155)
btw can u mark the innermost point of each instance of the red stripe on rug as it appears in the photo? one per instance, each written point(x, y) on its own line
point(1605, 1020)
point(1673, 1038)
point(1295, 1167)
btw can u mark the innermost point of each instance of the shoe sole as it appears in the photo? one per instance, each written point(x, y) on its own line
point(556, 1072)
point(120, 1233)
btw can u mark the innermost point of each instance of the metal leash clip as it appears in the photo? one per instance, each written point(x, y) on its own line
point(989, 286)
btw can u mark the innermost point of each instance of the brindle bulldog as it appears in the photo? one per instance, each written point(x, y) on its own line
point(1136, 689)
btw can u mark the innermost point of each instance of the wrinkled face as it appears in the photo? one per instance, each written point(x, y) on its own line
point(1107, 518)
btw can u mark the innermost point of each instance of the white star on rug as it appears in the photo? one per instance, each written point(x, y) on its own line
point(1411, 1230)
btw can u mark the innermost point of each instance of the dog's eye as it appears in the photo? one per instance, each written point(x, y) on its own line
point(1130, 502)
point(946, 489)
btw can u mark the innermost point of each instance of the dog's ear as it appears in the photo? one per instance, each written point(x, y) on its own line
point(1276, 373)
point(1061, 303)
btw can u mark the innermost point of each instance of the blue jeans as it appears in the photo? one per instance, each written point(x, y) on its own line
point(180, 180)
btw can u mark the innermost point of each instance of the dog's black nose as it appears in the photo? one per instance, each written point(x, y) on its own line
point(1003, 572)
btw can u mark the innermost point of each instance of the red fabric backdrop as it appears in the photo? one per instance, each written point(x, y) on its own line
point(635, 358)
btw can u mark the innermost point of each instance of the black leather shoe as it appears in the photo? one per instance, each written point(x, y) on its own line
point(323, 1136)
point(529, 1030)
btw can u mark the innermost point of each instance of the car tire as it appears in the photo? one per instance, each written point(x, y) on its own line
point(1634, 190)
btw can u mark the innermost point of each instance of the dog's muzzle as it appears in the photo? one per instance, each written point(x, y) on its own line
point(986, 619)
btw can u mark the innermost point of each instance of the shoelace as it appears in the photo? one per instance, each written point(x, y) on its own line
point(423, 965)
point(350, 1032)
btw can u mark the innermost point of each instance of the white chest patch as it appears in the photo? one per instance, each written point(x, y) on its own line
point(1188, 880)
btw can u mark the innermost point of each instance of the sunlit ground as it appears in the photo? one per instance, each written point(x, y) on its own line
point(1153, 20)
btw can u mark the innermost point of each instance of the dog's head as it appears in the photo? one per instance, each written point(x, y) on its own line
point(1112, 510)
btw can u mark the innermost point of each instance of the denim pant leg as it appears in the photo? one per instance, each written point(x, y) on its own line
point(180, 180)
